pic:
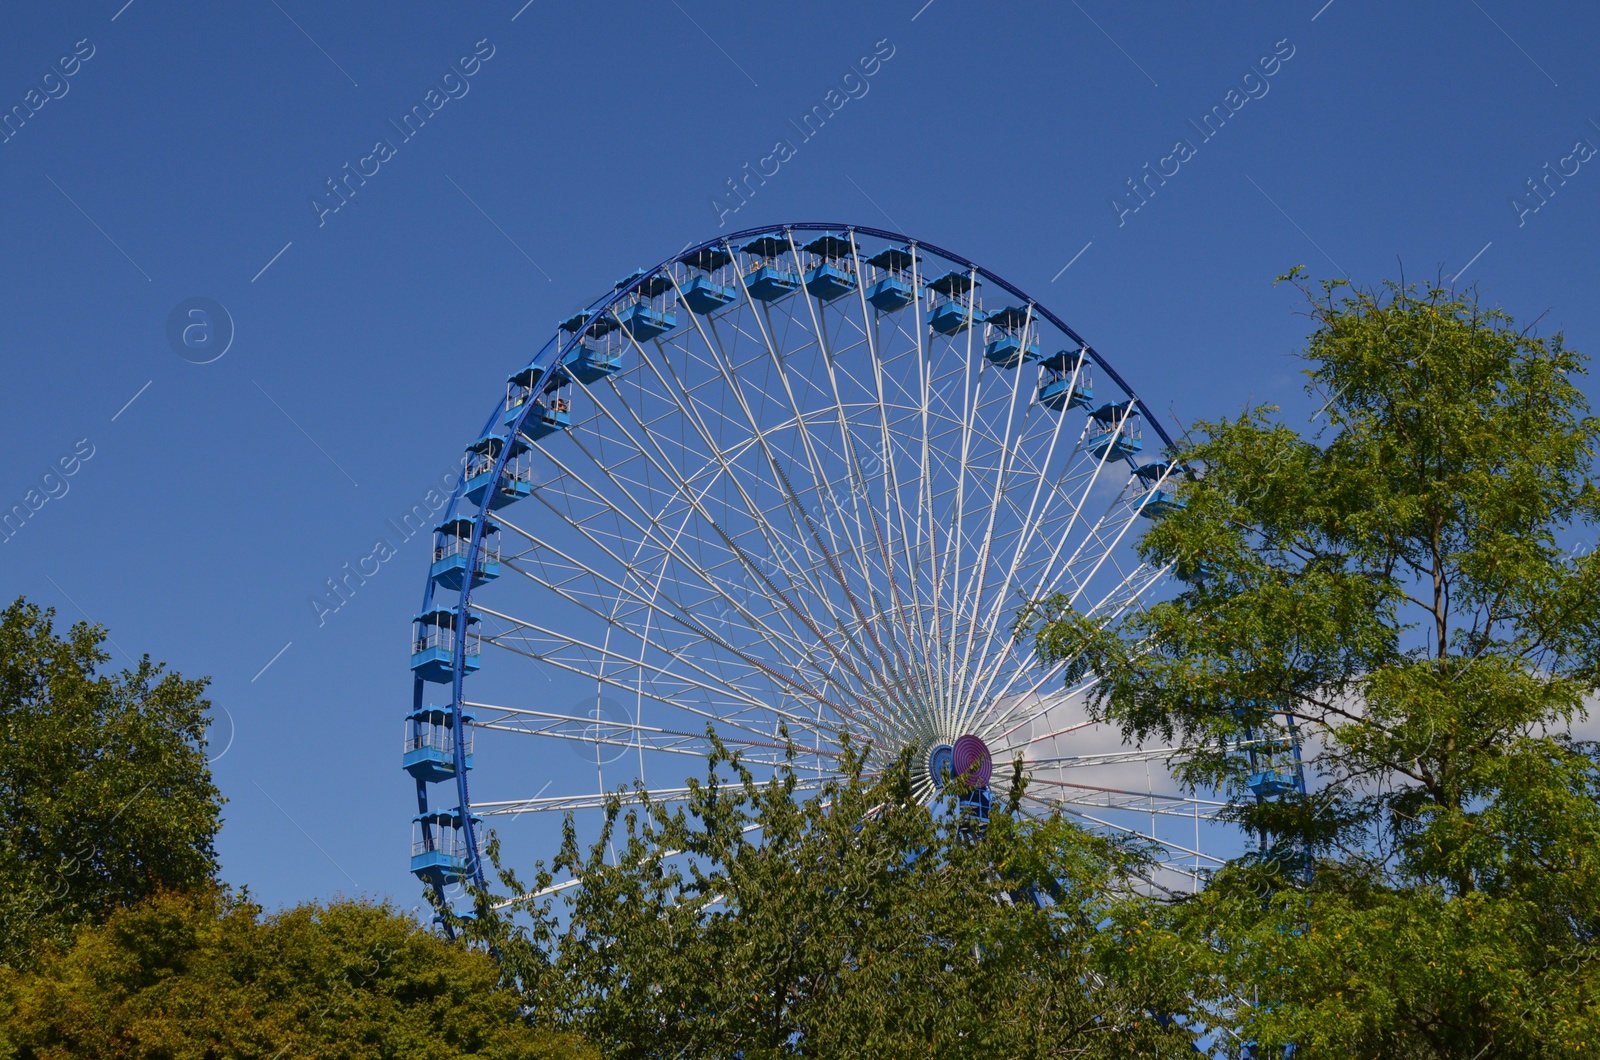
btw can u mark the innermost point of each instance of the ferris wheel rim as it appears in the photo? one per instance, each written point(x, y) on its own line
point(553, 353)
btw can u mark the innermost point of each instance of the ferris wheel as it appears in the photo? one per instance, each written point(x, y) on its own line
point(795, 478)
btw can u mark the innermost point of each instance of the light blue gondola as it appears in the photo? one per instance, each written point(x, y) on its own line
point(451, 541)
point(431, 748)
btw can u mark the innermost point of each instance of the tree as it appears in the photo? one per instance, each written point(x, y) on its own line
point(202, 976)
point(1398, 587)
point(854, 923)
point(104, 781)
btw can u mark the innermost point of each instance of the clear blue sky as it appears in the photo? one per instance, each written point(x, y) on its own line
point(182, 158)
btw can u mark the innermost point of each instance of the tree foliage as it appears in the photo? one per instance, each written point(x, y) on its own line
point(203, 976)
point(107, 796)
point(1400, 586)
point(753, 921)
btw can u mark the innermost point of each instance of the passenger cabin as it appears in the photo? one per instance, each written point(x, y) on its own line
point(439, 845)
point(1274, 769)
point(954, 304)
point(433, 644)
point(1270, 783)
point(1013, 337)
point(1160, 500)
point(895, 286)
point(1114, 431)
point(767, 277)
point(516, 478)
point(1065, 381)
point(452, 540)
point(593, 356)
point(431, 747)
point(833, 274)
point(647, 310)
point(519, 388)
point(708, 290)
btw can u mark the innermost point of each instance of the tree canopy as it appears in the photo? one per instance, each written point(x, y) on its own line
point(103, 778)
point(751, 921)
point(1398, 584)
point(207, 976)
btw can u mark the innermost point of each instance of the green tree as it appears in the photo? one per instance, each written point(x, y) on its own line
point(104, 781)
point(753, 922)
point(1400, 587)
point(203, 976)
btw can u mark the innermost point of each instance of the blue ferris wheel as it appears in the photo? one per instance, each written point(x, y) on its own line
point(797, 476)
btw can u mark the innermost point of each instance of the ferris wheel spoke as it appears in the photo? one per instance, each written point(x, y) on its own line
point(654, 531)
point(1067, 793)
point(971, 376)
point(1126, 594)
point(772, 535)
point(563, 804)
point(674, 608)
point(1097, 548)
point(1036, 518)
point(853, 466)
point(796, 505)
point(1076, 810)
point(749, 564)
point(697, 632)
point(607, 732)
point(1007, 454)
point(910, 631)
point(708, 682)
point(1142, 754)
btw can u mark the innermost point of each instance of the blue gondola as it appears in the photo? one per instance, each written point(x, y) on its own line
point(828, 281)
point(960, 309)
point(951, 318)
point(1118, 432)
point(1009, 351)
point(515, 483)
point(431, 747)
point(551, 413)
point(434, 643)
point(768, 282)
point(1160, 503)
point(1114, 445)
point(519, 387)
point(1061, 394)
point(439, 845)
point(644, 321)
point(704, 295)
point(1271, 782)
point(588, 364)
point(890, 294)
point(1012, 340)
point(835, 274)
point(450, 543)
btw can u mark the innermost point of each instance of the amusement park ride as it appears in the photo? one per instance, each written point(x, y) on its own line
point(801, 475)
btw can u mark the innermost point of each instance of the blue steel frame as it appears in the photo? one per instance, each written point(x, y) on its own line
point(555, 352)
